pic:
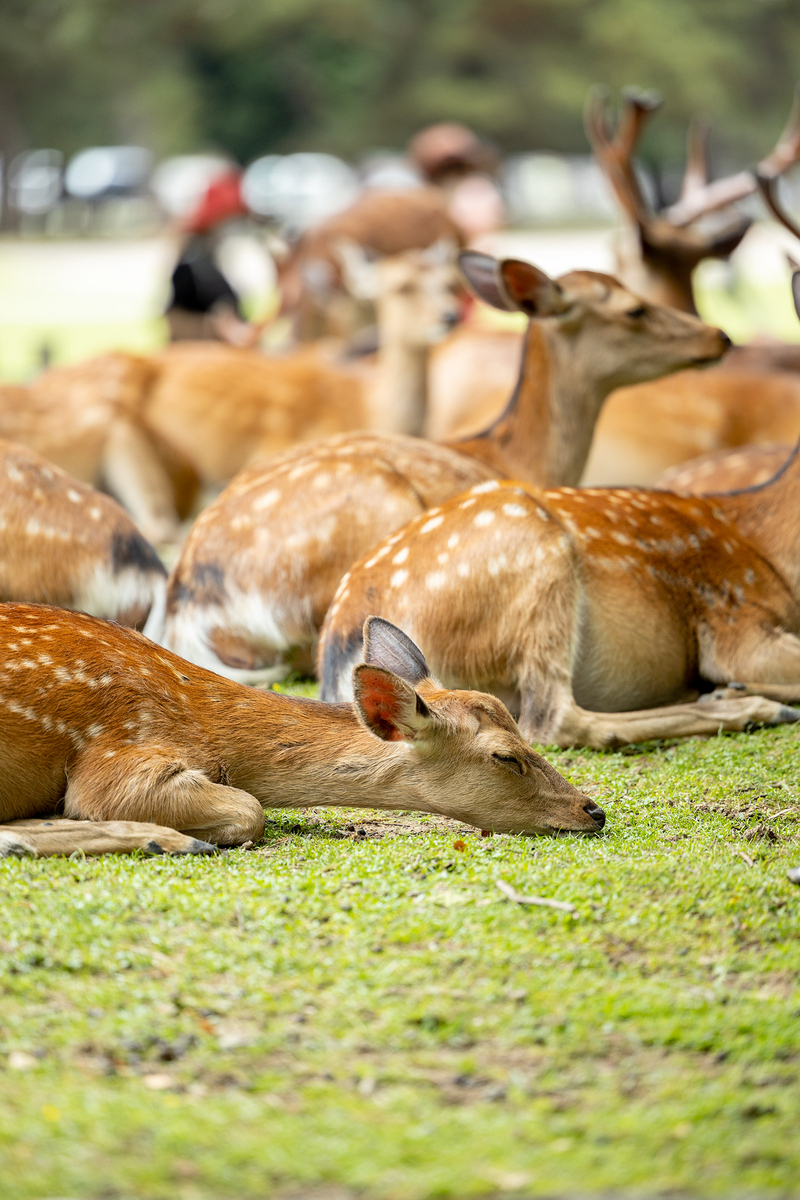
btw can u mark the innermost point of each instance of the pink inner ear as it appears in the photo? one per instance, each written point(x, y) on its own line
point(381, 705)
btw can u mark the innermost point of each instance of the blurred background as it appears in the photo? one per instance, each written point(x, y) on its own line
point(115, 118)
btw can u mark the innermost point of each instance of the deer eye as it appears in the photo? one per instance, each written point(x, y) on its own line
point(508, 760)
point(635, 313)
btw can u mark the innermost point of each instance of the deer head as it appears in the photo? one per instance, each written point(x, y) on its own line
point(464, 747)
point(416, 292)
point(604, 333)
point(668, 247)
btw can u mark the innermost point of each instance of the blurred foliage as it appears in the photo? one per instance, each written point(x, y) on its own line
point(254, 76)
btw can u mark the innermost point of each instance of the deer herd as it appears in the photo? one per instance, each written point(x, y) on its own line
point(585, 534)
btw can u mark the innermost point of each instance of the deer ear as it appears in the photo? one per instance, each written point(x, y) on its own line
point(387, 646)
point(388, 706)
point(359, 269)
point(531, 290)
point(796, 291)
point(482, 273)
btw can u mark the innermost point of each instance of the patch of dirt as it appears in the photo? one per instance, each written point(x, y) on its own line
point(375, 826)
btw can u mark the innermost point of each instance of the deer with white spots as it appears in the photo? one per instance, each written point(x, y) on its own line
point(63, 543)
point(260, 567)
point(601, 616)
point(100, 725)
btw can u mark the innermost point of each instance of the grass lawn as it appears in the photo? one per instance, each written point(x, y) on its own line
point(339, 1012)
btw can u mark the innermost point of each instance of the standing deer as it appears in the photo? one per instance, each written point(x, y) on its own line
point(63, 543)
point(97, 721)
point(260, 567)
point(603, 616)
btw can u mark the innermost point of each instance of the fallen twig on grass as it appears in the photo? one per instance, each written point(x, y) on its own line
point(750, 861)
point(540, 901)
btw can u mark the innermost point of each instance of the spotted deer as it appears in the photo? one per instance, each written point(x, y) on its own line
point(63, 543)
point(101, 725)
point(260, 567)
point(602, 616)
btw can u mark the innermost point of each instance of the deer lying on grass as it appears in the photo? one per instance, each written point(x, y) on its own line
point(223, 407)
point(258, 572)
point(603, 616)
point(86, 419)
point(753, 394)
point(95, 718)
point(63, 543)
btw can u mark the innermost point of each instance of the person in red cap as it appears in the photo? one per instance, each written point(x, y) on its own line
point(203, 304)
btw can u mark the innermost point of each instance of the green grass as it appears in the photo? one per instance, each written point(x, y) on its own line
point(368, 1012)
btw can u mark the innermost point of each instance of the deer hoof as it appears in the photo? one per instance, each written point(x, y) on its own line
point(14, 846)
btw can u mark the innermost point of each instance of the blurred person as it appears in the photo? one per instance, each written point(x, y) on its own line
point(453, 158)
point(203, 304)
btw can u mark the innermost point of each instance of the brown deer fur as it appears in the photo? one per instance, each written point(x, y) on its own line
point(384, 222)
point(601, 615)
point(726, 470)
point(223, 407)
point(642, 431)
point(63, 543)
point(87, 420)
point(260, 566)
point(99, 722)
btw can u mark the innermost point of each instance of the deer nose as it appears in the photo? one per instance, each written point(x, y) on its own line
point(597, 814)
point(723, 337)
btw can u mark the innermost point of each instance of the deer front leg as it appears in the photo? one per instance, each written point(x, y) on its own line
point(135, 475)
point(141, 783)
point(56, 836)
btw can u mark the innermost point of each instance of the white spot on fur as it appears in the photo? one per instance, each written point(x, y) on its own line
point(401, 556)
point(463, 570)
point(74, 496)
point(434, 523)
point(452, 541)
point(491, 485)
point(514, 510)
point(436, 580)
point(468, 503)
point(484, 518)
point(267, 500)
point(398, 579)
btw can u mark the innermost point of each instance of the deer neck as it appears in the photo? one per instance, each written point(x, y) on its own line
point(292, 753)
point(400, 387)
point(768, 517)
point(544, 434)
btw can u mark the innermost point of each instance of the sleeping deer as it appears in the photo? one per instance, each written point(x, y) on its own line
point(99, 723)
point(603, 616)
point(63, 543)
point(258, 572)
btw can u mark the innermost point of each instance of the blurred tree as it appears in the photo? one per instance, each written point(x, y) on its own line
point(254, 76)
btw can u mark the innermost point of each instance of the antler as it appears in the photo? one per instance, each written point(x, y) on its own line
point(615, 153)
point(697, 201)
point(785, 155)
